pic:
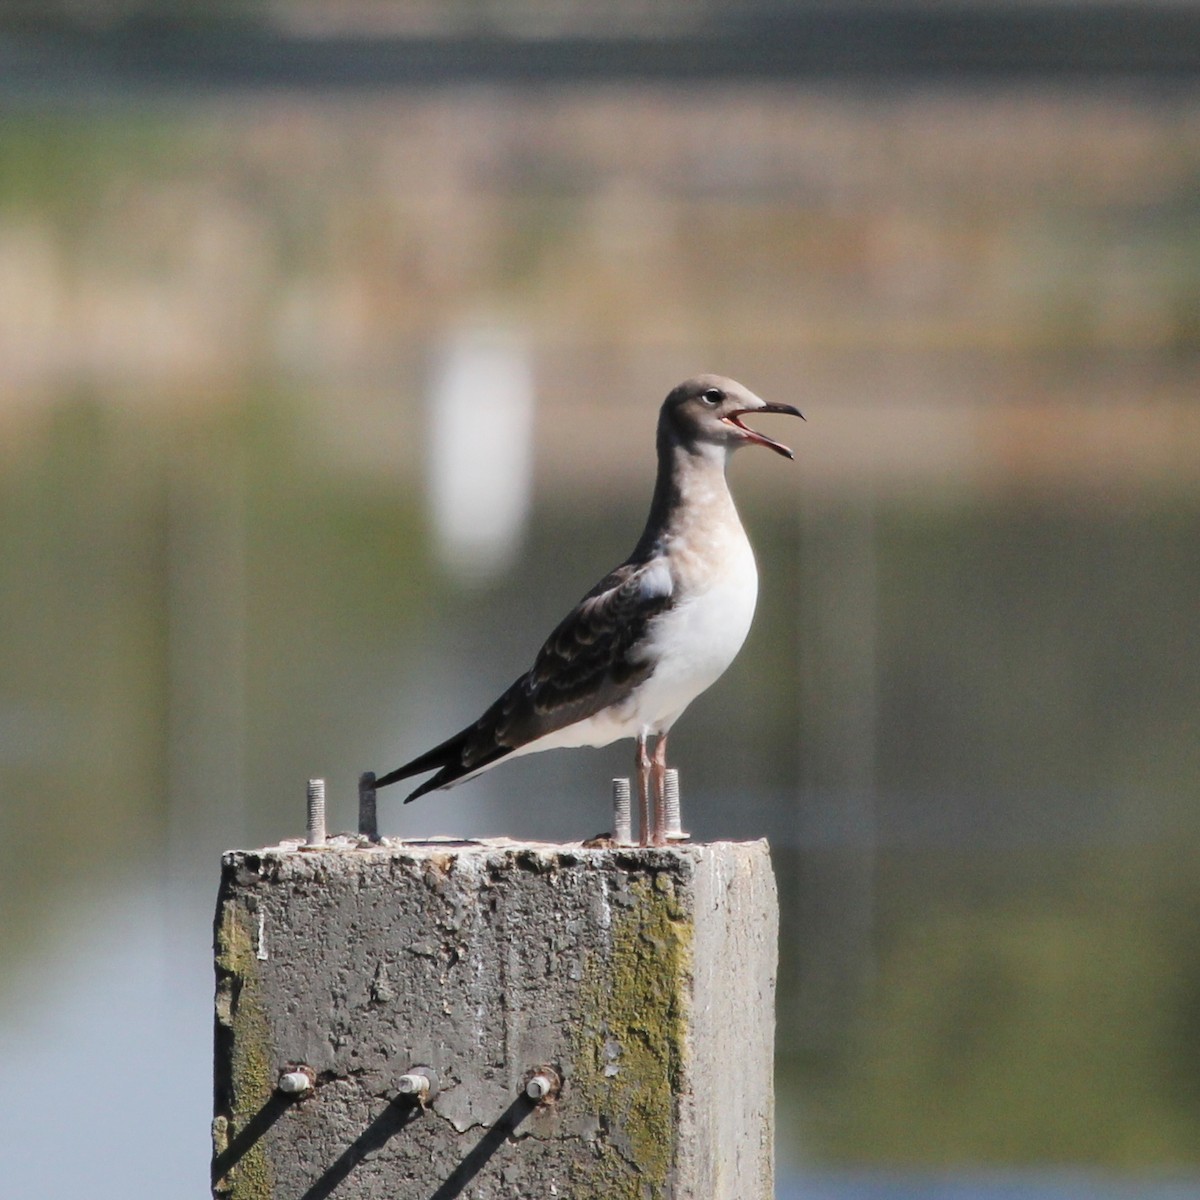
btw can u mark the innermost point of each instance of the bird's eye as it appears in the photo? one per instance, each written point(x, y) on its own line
point(712, 396)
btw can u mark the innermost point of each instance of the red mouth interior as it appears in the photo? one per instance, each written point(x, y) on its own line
point(735, 419)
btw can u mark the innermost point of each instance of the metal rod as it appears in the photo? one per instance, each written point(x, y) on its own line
point(661, 826)
point(622, 812)
point(316, 813)
point(674, 822)
point(368, 820)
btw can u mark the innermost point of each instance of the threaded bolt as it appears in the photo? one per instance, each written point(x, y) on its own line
point(622, 812)
point(316, 813)
point(674, 822)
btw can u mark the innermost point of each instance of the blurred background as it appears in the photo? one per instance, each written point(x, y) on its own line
point(332, 337)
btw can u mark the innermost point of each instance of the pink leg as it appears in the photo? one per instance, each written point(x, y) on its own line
point(643, 778)
point(660, 791)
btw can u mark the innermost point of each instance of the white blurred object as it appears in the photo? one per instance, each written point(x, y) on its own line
point(481, 451)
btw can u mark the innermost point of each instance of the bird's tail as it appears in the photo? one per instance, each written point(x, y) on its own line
point(441, 756)
point(451, 759)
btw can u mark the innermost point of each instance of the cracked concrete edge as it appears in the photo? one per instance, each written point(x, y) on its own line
point(729, 1107)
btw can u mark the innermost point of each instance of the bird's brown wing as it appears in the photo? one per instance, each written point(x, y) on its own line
point(590, 661)
point(591, 658)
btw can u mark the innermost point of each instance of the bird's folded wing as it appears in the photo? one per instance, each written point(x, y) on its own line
point(590, 661)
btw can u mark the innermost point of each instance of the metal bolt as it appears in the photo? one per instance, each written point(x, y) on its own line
point(543, 1083)
point(316, 813)
point(297, 1082)
point(674, 823)
point(368, 819)
point(419, 1083)
point(622, 812)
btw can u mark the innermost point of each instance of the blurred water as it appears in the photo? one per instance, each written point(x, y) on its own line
point(107, 1080)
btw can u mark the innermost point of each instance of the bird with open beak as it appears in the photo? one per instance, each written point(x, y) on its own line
point(652, 634)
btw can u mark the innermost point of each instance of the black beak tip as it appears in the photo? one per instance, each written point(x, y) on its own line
point(786, 409)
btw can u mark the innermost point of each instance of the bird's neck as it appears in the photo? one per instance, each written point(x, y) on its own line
point(690, 487)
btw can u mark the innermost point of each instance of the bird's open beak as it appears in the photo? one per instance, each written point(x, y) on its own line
point(752, 435)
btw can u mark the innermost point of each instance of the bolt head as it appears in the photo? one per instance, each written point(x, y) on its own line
point(297, 1082)
point(542, 1084)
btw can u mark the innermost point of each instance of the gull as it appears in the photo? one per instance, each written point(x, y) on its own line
point(652, 634)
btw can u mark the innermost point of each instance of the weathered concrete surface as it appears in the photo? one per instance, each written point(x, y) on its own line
point(644, 977)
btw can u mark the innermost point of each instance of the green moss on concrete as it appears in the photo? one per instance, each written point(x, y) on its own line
point(629, 1052)
point(246, 1083)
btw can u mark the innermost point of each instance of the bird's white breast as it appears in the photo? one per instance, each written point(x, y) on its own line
point(700, 635)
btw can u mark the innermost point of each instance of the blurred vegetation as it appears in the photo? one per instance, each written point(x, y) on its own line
point(1033, 1005)
point(331, 571)
point(1027, 985)
point(100, 15)
point(1046, 648)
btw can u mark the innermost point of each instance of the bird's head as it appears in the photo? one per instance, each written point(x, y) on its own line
point(708, 411)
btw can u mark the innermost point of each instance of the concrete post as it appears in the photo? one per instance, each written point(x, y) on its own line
point(421, 987)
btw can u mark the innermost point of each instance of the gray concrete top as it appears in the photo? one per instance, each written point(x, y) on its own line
point(597, 851)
